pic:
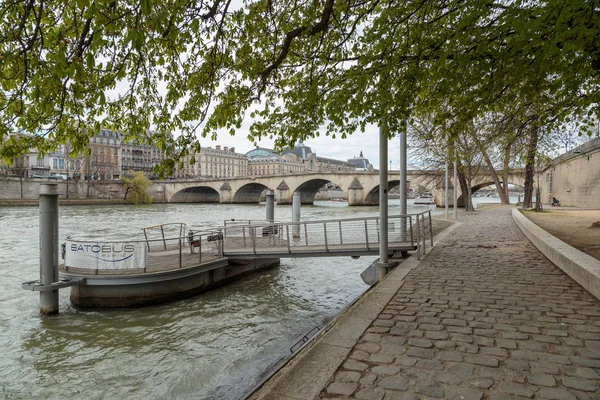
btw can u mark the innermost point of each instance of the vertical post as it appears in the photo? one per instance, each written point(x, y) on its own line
point(180, 255)
point(454, 188)
point(403, 184)
point(383, 202)
point(445, 189)
point(296, 214)
point(270, 199)
point(162, 231)
point(49, 247)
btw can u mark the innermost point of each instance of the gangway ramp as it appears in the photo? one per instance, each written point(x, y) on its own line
point(325, 238)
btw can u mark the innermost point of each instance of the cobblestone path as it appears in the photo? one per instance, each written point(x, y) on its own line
point(485, 316)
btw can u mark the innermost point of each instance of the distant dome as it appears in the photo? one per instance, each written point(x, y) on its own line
point(301, 150)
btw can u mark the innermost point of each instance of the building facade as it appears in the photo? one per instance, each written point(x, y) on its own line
point(263, 162)
point(139, 157)
point(220, 162)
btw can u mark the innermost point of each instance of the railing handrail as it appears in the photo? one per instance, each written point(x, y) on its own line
point(265, 224)
point(196, 233)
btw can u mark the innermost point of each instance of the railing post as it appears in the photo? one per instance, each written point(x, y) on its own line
point(162, 231)
point(430, 228)
point(200, 249)
point(287, 229)
point(418, 225)
point(244, 235)
point(411, 231)
point(253, 240)
point(341, 239)
point(222, 246)
point(146, 236)
point(367, 235)
point(424, 235)
point(180, 255)
point(306, 233)
point(325, 229)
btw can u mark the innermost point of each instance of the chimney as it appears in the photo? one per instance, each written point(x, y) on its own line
point(225, 148)
point(218, 147)
point(232, 149)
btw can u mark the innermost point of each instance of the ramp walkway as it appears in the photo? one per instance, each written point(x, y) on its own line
point(326, 238)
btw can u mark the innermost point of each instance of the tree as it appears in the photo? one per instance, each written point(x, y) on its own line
point(136, 187)
point(297, 67)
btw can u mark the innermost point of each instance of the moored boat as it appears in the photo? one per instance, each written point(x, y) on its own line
point(425, 199)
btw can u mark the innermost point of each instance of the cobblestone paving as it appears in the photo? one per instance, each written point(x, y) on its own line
point(485, 316)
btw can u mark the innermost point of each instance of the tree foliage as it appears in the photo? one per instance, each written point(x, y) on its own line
point(197, 67)
point(136, 187)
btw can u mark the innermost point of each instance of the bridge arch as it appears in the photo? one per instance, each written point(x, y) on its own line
point(196, 194)
point(249, 193)
point(308, 189)
point(372, 196)
point(460, 201)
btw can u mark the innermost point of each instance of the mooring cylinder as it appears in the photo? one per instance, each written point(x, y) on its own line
point(296, 201)
point(270, 199)
point(48, 247)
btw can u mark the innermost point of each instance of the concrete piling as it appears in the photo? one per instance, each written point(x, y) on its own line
point(49, 247)
point(296, 214)
point(270, 199)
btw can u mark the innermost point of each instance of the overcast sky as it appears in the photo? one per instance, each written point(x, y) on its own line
point(323, 146)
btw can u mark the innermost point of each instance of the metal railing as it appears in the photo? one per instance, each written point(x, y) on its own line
point(164, 253)
point(323, 237)
point(351, 236)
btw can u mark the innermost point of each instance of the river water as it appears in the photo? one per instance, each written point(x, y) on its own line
point(213, 346)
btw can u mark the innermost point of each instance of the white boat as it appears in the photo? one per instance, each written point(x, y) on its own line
point(425, 199)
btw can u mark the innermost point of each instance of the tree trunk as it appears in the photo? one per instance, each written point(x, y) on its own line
point(505, 172)
point(530, 167)
point(464, 187)
point(490, 165)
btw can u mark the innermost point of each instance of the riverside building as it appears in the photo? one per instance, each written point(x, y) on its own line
point(220, 162)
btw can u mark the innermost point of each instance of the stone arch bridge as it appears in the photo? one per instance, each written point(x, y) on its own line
point(361, 188)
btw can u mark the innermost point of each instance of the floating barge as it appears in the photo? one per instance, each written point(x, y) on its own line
point(179, 263)
point(174, 261)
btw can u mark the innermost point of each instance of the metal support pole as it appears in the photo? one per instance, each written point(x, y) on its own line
point(48, 247)
point(383, 203)
point(446, 190)
point(403, 185)
point(454, 186)
point(270, 198)
point(296, 214)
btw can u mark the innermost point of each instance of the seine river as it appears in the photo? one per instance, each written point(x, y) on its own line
point(213, 346)
point(216, 345)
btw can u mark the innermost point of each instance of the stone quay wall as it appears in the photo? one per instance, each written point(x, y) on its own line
point(574, 177)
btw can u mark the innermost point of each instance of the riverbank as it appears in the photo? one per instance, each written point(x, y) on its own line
point(484, 315)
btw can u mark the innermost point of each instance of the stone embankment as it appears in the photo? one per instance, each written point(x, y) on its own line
point(484, 316)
